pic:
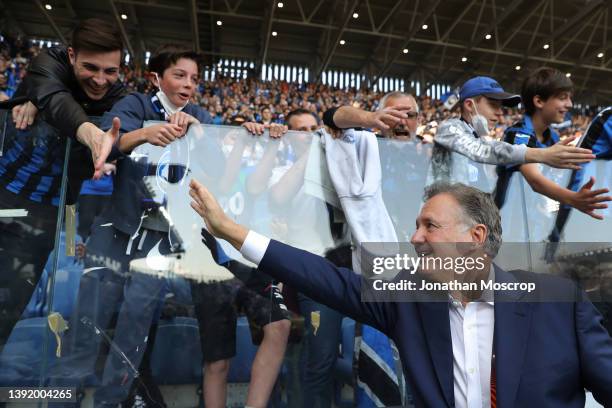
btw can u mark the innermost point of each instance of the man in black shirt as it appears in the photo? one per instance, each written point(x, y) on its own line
point(64, 86)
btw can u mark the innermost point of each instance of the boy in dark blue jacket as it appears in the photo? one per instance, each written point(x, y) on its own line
point(546, 94)
point(131, 235)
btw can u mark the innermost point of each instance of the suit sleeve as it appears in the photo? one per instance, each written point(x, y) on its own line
point(456, 139)
point(319, 279)
point(595, 346)
point(45, 85)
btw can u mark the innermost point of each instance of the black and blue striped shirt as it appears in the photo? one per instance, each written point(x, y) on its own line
point(32, 162)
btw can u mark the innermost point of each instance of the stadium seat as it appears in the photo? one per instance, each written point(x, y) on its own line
point(67, 278)
point(21, 361)
point(177, 358)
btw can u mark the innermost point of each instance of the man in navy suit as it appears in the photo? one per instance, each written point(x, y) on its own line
point(505, 351)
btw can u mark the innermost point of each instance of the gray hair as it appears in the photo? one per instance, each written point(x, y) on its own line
point(393, 95)
point(478, 208)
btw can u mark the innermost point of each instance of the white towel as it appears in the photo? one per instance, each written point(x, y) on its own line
point(354, 168)
point(317, 181)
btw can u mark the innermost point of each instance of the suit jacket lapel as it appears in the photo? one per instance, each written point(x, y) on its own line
point(436, 324)
point(512, 326)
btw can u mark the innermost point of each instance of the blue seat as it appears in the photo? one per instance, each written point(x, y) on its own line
point(177, 357)
point(67, 278)
point(21, 361)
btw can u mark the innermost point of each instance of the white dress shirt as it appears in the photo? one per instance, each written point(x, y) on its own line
point(471, 335)
point(472, 338)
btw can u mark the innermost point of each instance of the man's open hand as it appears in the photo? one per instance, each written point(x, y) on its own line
point(99, 143)
point(217, 223)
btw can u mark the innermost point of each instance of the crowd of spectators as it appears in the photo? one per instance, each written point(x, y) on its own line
point(232, 101)
point(15, 55)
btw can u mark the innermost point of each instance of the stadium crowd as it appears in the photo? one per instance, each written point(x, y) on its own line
point(235, 101)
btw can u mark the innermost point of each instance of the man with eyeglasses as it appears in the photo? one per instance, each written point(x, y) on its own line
point(396, 117)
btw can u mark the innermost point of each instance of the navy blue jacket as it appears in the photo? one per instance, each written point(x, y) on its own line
point(546, 353)
point(521, 132)
point(130, 191)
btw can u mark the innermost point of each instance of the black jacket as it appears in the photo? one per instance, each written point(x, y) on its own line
point(50, 84)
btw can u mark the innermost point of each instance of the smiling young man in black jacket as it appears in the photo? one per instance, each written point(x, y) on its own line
point(64, 86)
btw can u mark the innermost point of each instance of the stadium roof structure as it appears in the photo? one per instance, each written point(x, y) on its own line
point(428, 41)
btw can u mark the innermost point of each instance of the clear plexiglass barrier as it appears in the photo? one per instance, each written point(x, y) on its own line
point(132, 299)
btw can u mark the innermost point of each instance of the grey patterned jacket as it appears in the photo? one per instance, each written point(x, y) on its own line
point(459, 155)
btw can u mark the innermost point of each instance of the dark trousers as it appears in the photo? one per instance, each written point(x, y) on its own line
point(319, 352)
point(90, 206)
point(111, 288)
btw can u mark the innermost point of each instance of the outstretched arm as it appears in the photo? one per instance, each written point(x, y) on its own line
point(461, 141)
point(346, 117)
point(585, 199)
point(339, 288)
